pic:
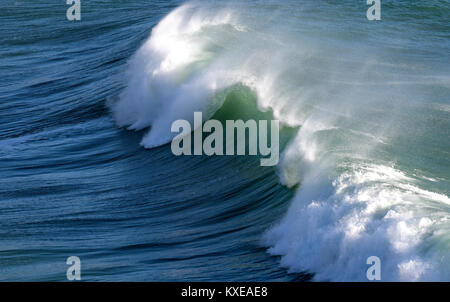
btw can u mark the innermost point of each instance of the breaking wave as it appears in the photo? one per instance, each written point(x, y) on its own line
point(356, 162)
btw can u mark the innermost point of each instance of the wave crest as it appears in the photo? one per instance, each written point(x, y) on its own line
point(352, 201)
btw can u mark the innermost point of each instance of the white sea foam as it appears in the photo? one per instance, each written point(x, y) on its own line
point(335, 224)
point(350, 203)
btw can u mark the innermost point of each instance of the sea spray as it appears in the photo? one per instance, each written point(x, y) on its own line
point(361, 192)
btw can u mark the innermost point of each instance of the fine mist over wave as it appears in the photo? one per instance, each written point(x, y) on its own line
point(364, 115)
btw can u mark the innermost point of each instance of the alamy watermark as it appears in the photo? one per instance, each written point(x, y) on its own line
point(74, 270)
point(374, 271)
point(374, 11)
point(73, 13)
point(213, 144)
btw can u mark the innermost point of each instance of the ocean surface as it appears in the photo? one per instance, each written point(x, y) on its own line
point(86, 167)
